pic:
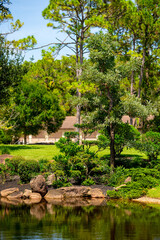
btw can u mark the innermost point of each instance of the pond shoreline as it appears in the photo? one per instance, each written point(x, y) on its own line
point(103, 188)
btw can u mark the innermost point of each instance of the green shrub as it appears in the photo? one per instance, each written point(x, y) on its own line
point(142, 179)
point(62, 163)
point(113, 194)
point(61, 183)
point(5, 137)
point(125, 135)
point(5, 150)
point(68, 147)
point(150, 144)
point(139, 173)
point(118, 177)
point(27, 169)
point(88, 182)
point(44, 165)
point(3, 170)
point(13, 163)
point(130, 191)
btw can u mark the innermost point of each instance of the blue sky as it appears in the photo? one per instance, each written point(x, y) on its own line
point(30, 12)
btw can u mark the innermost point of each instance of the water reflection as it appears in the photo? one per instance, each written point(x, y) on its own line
point(81, 220)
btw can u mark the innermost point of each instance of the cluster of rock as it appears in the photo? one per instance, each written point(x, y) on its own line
point(39, 190)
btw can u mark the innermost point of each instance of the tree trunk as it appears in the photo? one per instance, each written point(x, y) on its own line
point(132, 79)
point(78, 74)
point(132, 75)
point(25, 138)
point(112, 149)
point(141, 73)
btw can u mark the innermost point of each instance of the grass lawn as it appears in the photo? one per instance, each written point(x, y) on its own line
point(126, 152)
point(154, 192)
point(32, 151)
point(49, 151)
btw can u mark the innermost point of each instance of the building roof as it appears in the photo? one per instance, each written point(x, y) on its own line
point(68, 123)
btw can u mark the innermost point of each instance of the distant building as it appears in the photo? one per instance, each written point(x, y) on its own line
point(67, 126)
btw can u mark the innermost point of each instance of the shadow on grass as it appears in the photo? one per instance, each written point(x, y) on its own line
point(127, 160)
point(123, 156)
point(130, 156)
point(19, 147)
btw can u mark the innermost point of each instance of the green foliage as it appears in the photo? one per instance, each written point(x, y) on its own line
point(27, 169)
point(3, 171)
point(70, 135)
point(150, 144)
point(142, 180)
point(131, 191)
point(125, 136)
point(44, 165)
point(61, 183)
point(46, 113)
point(68, 147)
point(58, 76)
point(11, 71)
point(5, 137)
point(88, 182)
point(118, 177)
point(76, 163)
point(13, 164)
point(5, 150)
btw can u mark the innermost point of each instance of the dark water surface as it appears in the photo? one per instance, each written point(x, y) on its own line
point(112, 220)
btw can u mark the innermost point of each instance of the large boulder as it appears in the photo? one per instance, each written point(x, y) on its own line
point(27, 193)
point(51, 178)
point(54, 194)
point(38, 185)
point(96, 193)
point(15, 195)
point(75, 191)
point(8, 191)
point(35, 197)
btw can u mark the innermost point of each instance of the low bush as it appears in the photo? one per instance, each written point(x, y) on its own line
point(118, 177)
point(130, 191)
point(45, 165)
point(13, 163)
point(5, 150)
point(142, 180)
point(150, 144)
point(134, 162)
point(88, 182)
point(68, 147)
point(5, 137)
point(3, 170)
point(61, 183)
point(28, 169)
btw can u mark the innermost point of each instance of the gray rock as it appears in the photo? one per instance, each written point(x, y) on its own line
point(38, 185)
point(96, 193)
point(8, 191)
point(15, 195)
point(51, 178)
point(27, 193)
point(54, 194)
point(75, 191)
point(35, 197)
point(128, 179)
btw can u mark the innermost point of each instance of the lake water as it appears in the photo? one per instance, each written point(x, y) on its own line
point(113, 220)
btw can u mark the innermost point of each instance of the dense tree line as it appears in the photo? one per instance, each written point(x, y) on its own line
point(120, 76)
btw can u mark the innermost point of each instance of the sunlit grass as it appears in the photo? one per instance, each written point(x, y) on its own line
point(128, 152)
point(154, 192)
point(49, 151)
point(32, 151)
